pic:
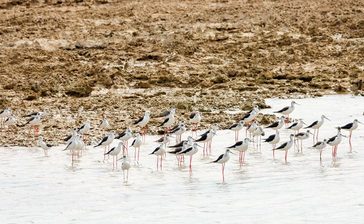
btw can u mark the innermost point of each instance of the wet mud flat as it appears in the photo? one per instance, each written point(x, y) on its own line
point(123, 57)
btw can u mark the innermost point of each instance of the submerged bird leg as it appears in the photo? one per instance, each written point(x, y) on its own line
point(351, 148)
point(222, 171)
point(285, 156)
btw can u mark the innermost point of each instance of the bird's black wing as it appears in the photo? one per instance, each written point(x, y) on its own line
point(202, 138)
point(233, 126)
point(239, 143)
point(317, 144)
point(292, 125)
point(133, 142)
point(220, 157)
point(67, 146)
point(175, 128)
point(273, 125)
point(177, 145)
point(68, 138)
point(347, 126)
point(138, 121)
point(155, 150)
point(165, 121)
point(247, 115)
point(112, 149)
point(281, 110)
point(192, 115)
point(161, 139)
point(49, 145)
point(311, 125)
point(22, 125)
point(176, 150)
point(80, 128)
point(186, 150)
point(122, 134)
point(31, 114)
point(282, 146)
point(270, 138)
point(331, 139)
point(205, 133)
point(102, 141)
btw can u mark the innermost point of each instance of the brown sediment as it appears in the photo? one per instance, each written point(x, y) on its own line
point(123, 57)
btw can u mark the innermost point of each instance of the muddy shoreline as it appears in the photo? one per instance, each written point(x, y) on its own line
point(120, 58)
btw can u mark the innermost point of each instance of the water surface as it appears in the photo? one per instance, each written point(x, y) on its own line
point(37, 189)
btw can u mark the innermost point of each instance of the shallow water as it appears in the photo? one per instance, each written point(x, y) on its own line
point(37, 189)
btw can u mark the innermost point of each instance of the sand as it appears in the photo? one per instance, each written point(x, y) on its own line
point(123, 57)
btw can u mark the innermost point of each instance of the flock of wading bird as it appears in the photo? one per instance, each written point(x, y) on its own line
point(75, 142)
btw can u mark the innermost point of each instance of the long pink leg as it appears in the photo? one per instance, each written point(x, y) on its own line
point(157, 163)
point(161, 163)
point(243, 160)
point(138, 153)
point(313, 136)
point(351, 148)
point(320, 155)
point(223, 170)
point(191, 163)
point(285, 156)
point(317, 134)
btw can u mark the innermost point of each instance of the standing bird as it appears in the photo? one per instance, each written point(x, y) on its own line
point(222, 159)
point(296, 126)
point(273, 140)
point(125, 166)
point(334, 142)
point(124, 137)
point(178, 131)
point(300, 137)
point(10, 121)
point(351, 127)
point(251, 128)
point(44, 145)
point(106, 141)
point(316, 125)
point(287, 110)
point(136, 144)
point(236, 128)
point(241, 147)
point(286, 146)
point(35, 122)
point(105, 125)
point(70, 137)
point(167, 113)
point(319, 146)
point(206, 138)
point(177, 150)
point(143, 123)
point(250, 116)
point(278, 124)
point(168, 121)
point(114, 152)
point(195, 119)
point(84, 129)
point(72, 146)
point(4, 114)
point(258, 133)
point(159, 152)
point(190, 151)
